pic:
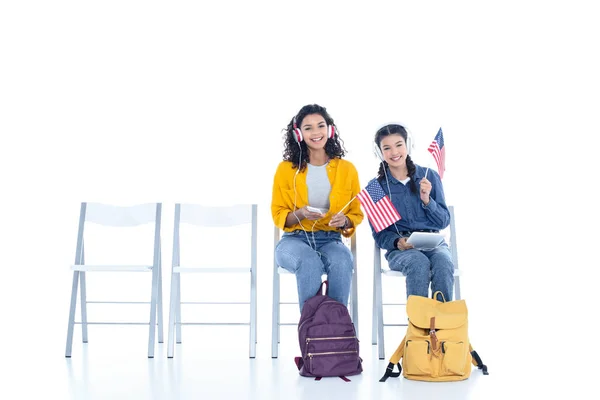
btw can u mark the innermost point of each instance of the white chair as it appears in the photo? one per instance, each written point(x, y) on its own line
point(117, 216)
point(205, 216)
point(378, 323)
point(277, 270)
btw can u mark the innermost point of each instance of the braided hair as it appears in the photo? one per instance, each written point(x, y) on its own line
point(396, 129)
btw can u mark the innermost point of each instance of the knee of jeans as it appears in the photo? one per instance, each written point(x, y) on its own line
point(441, 262)
point(287, 260)
point(421, 268)
point(342, 260)
point(441, 257)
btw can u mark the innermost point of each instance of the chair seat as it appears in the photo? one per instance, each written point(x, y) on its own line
point(211, 270)
point(391, 272)
point(281, 270)
point(123, 268)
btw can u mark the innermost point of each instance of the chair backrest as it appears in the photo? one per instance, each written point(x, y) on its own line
point(119, 216)
point(112, 215)
point(214, 216)
point(200, 215)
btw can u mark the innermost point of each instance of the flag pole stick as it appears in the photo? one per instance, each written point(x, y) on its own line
point(347, 204)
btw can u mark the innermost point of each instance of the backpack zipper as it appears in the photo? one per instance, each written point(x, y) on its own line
point(311, 355)
point(330, 338)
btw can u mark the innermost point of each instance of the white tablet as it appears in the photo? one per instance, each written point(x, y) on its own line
point(425, 240)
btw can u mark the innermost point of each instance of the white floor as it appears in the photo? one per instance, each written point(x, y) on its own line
point(212, 363)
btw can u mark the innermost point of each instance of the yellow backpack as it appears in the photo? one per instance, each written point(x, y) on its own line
point(436, 347)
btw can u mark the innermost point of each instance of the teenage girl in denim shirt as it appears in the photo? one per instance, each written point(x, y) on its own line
point(313, 174)
point(420, 202)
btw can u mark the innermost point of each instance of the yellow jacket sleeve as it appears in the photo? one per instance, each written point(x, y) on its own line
point(279, 207)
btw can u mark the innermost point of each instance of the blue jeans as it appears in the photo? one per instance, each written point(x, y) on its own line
point(296, 253)
point(422, 267)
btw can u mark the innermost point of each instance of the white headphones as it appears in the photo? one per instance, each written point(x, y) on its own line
point(409, 140)
point(298, 133)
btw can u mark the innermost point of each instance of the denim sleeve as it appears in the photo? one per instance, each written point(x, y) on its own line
point(385, 238)
point(437, 211)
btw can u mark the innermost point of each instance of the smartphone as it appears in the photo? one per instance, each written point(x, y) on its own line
point(313, 209)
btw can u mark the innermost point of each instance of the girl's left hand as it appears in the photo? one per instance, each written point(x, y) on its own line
point(425, 190)
point(338, 220)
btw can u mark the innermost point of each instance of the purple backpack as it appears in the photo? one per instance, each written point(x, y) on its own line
point(327, 338)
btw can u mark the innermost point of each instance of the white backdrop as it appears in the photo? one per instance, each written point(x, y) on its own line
point(130, 101)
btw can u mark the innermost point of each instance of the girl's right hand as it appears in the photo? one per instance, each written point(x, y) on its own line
point(303, 213)
point(402, 245)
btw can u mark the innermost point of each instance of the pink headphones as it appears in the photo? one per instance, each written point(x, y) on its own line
point(298, 133)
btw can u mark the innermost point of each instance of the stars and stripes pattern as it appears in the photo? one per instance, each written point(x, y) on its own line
point(437, 150)
point(377, 205)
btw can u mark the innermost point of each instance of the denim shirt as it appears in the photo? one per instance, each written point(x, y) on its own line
point(414, 215)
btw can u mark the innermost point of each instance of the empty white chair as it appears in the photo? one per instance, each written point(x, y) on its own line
point(277, 270)
point(117, 216)
point(206, 216)
point(378, 323)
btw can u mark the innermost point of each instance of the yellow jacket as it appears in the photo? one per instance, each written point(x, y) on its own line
point(344, 186)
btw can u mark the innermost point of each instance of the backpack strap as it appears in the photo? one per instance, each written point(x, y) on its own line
point(476, 360)
point(394, 360)
point(300, 362)
point(320, 291)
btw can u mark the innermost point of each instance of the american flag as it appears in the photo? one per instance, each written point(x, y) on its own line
point(437, 150)
point(377, 205)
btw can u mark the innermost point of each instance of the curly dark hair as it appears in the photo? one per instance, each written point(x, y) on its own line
point(334, 147)
point(395, 129)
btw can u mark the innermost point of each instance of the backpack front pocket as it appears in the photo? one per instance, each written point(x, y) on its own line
point(334, 363)
point(417, 357)
point(454, 357)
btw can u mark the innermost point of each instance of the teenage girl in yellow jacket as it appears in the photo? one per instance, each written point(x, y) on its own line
point(314, 203)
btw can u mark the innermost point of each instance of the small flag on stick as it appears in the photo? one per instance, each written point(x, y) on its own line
point(377, 205)
point(438, 151)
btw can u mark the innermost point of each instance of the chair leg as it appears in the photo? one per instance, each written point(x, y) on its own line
point(253, 314)
point(178, 305)
point(275, 316)
point(160, 306)
point(172, 316)
point(374, 316)
point(457, 288)
point(153, 301)
point(379, 302)
point(84, 330)
point(72, 310)
point(355, 301)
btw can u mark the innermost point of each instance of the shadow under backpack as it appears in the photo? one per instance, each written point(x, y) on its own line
point(327, 339)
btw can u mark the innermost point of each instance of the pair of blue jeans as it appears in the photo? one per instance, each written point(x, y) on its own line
point(309, 255)
point(423, 267)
